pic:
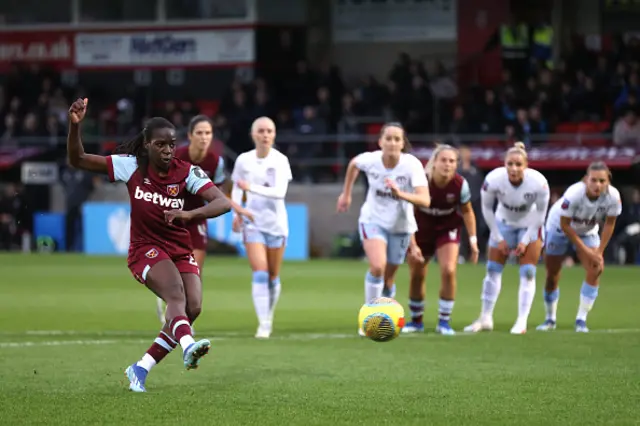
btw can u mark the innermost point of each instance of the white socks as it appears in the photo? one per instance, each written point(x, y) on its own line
point(261, 295)
point(526, 294)
point(588, 295)
point(491, 286)
point(551, 303)
point(373, 287)
point(274, 295)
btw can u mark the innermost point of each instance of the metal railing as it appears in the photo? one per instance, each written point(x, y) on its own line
point(330, 153)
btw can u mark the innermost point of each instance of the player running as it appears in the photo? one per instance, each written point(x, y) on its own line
point(523, 199)
point(396, 183)
point(573, 223)
point(438, 234)
point(160, 251)
point(198, 152)
point(263, 175)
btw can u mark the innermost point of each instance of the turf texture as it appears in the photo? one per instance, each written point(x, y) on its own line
point(70, 325)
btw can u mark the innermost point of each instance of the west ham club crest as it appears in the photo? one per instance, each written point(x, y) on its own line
point(173, 189)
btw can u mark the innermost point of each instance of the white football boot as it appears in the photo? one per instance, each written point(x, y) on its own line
point(484, 323)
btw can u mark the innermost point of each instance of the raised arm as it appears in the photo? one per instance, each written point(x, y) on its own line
point(76, 156)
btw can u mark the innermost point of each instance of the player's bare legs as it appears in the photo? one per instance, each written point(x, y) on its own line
point(417, 293)
point(376, 252)
point(193, 295)
point(199, 256)
point(389, 289)
point(491, 286)
point(527, 290)
point(257, 254)
point(448, 261)
point(588, 292)
point(274, 263)
point(165, 281)
point(553, 266)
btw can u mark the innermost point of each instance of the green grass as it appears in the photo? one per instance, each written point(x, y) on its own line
point(314, 371)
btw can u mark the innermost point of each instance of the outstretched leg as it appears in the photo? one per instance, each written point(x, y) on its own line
point(164, 280)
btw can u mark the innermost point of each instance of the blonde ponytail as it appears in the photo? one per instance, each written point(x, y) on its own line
point(518, 148)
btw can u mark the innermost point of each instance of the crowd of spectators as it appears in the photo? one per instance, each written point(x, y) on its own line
point(585, 86)
point(315, 101)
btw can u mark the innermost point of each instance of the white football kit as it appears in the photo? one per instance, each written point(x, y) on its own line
point(585, 215)
point(521, 210)
point(268, 180)
point(382, 216)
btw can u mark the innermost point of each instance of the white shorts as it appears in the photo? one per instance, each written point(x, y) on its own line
point(397, 243)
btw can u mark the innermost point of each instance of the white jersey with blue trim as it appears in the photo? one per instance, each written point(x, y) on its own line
point(516, 204)
point(381, 207)
point(268, 180)
point(585, 214)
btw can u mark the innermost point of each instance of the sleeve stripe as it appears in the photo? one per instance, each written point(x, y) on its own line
point(205, 187)
point(110, 171)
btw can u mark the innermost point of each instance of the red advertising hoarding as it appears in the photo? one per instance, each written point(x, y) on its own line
point(53, 48)
point(130, 48)
point(553, 158)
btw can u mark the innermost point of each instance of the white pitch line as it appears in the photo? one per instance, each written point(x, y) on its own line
point(225, 336)
point(57, 343)
point(123, 333)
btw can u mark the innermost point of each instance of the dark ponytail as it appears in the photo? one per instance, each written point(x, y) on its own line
point(135, 147)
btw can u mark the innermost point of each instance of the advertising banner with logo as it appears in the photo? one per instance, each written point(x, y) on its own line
point(106, 230)
point(45, 173)
point(393, 21)
point(54, 48)
point(558, 158)
point(165, 48)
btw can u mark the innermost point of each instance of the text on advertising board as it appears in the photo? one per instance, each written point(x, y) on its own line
point(165, 48)
point(54, 48)
point(568, 158)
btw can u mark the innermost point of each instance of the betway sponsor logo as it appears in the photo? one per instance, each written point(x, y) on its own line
point(39, 51)
point(159, 199)
point(438, 212)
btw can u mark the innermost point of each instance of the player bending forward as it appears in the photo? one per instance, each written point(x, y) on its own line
point(573, 222)
point(438, 234)
point(263, 174)
point(523, 199)
point(198, 152)
point(396, 183)
point(160, 250)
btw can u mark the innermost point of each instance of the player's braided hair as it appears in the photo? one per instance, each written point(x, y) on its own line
point(428, 169)
point(407, 145)
point(135, 146)
point(197, 120)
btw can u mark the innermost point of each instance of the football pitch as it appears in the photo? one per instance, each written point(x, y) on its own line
point(70, 325)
